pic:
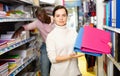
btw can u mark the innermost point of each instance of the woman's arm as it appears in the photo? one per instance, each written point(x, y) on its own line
point(18, 32)
point(29, 26)
point(67, 57)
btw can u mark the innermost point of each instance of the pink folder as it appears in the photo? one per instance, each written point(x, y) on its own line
point(95, 40)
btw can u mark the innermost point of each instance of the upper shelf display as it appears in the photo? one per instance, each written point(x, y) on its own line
point(16, 2)
point(47, 1)
point(19, 2)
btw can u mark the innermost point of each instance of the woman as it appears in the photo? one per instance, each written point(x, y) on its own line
point(44, 24)
point(60, 42)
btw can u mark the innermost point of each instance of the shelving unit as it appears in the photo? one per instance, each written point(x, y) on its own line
point(111, 61)
point(21, 66)
point(114, 61)
point(16, 19)
point(16, 2)
point(117, 30)
point(5, 21)
point(4, 50)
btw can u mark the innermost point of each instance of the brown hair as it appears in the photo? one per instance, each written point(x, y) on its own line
point(42, 13)
point(59, 7)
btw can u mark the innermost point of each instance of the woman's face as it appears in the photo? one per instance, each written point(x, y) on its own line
point(60, 17)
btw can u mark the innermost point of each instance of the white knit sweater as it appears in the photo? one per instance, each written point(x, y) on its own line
point(60, 41)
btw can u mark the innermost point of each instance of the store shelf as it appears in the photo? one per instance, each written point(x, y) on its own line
point(12, 4)
point(15, 2)
point(16, 19)
point(4, 50)
point(117, 30)
point(46, 4)
point(22, 66)
point(25, 1)
point(114, 61)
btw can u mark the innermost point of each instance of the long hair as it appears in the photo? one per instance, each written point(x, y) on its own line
point(42, 13)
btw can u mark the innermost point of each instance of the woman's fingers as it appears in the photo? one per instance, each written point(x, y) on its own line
point(110, 44)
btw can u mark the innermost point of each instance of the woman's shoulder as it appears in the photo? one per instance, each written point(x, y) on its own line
point(52, 33)
point(72, 30)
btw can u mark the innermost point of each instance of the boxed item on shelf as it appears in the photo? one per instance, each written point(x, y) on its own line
point(29, 74)
point(12, 60)
point(28, 1)
point(48, 1)
point(11, 42)
point(3, 44)
point(25, 35)
point(10, 32)
point(3, 66)
point(21, 53)
point(27, 53)
point(6, 36)
point(37, 73)
point(1, 7)
point(36, 2)
point(4, 72)
point(6, 42)
point(13, 65)
point(27, 13)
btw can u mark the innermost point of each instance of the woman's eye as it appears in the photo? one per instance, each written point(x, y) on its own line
point(57, 15)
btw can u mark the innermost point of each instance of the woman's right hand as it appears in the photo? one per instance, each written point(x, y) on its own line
point(75, 55)
point(18, 32)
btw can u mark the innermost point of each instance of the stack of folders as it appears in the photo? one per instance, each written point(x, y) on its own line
point(24, 54)
point(3, 68)
point(92, 41)
point(3, 44)
point(12, 60)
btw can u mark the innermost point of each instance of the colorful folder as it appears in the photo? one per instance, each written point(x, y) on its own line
point(117, 14)
point(78, 43)
point(95, 40)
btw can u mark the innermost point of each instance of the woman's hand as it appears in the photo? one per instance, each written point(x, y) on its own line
point(110, 44)
point(18, 32)
point(74, 55)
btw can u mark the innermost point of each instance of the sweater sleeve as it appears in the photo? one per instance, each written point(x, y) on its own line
point(32, 25)
point(51, 51)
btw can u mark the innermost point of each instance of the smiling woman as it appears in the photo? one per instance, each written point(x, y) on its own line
point(60, 43)
point(60, 17)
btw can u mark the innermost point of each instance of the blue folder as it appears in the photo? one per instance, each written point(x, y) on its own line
point(74, 3)
point(117, 13)
point(78, 43)
point(107, 13)
point(110, 18)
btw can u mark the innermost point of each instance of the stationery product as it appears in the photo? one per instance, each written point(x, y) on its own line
point(95, 40)
point(3, 44)
point(107, 13)
point(3, 66)
point(78, 43)
point(73, 3)
point(117, 13)
point(104, 19)
point(110, 17)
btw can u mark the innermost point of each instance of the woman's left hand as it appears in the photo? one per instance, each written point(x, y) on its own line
point(110, 44)
point(74, 55)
